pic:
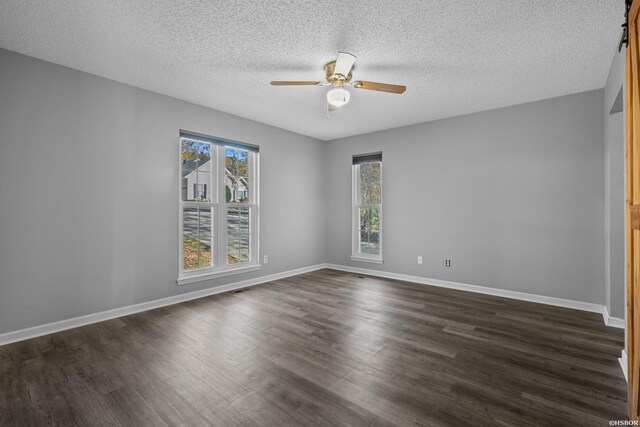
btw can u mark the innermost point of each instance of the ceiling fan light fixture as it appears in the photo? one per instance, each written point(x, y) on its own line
point(337, 97)
point(338, 73)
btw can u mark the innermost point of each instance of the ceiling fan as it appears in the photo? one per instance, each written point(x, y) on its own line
point(338, 74)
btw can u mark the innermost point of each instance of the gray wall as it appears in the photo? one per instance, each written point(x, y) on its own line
point(514, 197)
point(88, 193)
point(615, 264)
point(88, 206)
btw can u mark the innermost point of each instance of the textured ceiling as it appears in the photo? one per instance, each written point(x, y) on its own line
point(455, 56)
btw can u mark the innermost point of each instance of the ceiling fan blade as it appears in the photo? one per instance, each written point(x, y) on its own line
point(344, 63)
point(294, 83)
point(380, 87)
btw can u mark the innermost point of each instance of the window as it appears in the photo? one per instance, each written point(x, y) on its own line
point(237, 205)
point(367, 208)
point(201, 191)
point(218, 207)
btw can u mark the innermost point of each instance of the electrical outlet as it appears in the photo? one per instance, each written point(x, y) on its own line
point(265, 259)
point(420, 260)
point(447, 263)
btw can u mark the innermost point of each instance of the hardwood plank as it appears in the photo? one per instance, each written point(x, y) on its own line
point(172, 406)
point(130, 408)
point(261, 410)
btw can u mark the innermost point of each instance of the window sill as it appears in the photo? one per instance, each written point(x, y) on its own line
point(366, 259)
point(199, 277)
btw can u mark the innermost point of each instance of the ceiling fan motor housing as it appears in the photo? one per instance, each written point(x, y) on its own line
point(337, 80)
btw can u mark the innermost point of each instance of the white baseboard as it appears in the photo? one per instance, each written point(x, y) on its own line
point(623, 364)
point(49, 328)
point(614, 322)
point(578, 305)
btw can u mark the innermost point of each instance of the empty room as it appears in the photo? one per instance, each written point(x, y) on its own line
point(280, 213)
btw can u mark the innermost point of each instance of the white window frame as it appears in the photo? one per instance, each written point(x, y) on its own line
point(356, 255)
point(218, 204)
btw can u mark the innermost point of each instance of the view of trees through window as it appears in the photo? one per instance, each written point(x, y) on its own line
point(236, 162)
point(197, 170)
point(369, 189)
point(197, 221)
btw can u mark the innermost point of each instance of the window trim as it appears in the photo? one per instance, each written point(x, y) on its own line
point(356, 255)
point(219, 267)
point(200, 277)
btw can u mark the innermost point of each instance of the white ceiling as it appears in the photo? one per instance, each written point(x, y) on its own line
point(455, 56)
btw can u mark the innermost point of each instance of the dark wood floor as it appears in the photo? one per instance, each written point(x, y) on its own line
point(320, 349)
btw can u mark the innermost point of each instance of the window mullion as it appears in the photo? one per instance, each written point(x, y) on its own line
point(255, 174)
point(355, 215)
point(221, 220)
point(198, 241)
